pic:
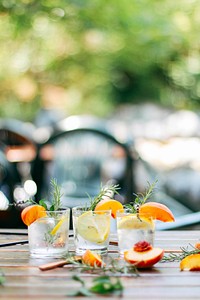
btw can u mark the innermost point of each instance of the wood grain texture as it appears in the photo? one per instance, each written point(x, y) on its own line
point(25, 280)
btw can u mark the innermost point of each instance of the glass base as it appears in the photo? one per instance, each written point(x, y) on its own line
point(43, 253)
point(101, 251)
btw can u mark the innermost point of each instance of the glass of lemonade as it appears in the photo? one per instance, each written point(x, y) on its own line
point(133, 228)
point(91, 230)
point(48, 236)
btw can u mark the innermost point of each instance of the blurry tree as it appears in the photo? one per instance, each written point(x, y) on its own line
point(87, 56)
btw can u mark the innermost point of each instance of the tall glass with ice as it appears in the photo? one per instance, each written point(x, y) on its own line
point(48, 236)
point(133, 228)
point(91, 230)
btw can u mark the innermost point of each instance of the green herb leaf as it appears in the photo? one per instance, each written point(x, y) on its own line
point(2, 278)
point(101, 285)
point(80, 292)
point(77, 278)
point(42, 203)
point(105, 285)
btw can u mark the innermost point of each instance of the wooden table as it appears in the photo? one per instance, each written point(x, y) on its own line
point(24, 279)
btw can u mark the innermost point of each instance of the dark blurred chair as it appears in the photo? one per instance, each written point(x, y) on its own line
point(186, 218)
point(17, 152)
point(9, 216)
point(81, 155)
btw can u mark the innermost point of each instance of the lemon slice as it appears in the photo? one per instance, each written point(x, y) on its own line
point(133, 222)
point(93, 228)
point(58, 225)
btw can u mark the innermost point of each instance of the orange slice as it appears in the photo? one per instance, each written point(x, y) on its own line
point(109, 204)
point(190, 263)
point(158, 211)
point(31, 213)
point(92, 259)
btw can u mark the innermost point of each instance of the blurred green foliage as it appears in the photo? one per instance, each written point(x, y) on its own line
point(88, 56)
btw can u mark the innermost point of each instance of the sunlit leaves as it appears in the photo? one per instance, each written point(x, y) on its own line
point(99, 53)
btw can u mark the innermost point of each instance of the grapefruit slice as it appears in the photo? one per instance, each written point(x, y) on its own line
point(109, 204)
point(158, 211)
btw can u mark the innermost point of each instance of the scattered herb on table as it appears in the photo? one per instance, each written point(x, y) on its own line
point(113, 267)
point(103, 285)
point(2, 278)
point(185, 251)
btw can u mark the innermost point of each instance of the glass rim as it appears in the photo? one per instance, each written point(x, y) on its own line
point(59, 210)
point(126, 212)
point(84, 209)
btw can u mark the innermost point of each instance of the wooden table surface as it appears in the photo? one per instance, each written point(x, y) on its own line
point(24, 279)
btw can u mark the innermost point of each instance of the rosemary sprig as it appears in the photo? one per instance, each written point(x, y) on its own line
point(56, 193)
point(141, 198)
point(178, 257)
point(107, 191)
point(113, 267)
point(56, 198)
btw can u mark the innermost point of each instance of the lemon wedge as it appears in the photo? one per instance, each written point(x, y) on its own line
point(133, 222)
point(58, 225)
point(93, 228)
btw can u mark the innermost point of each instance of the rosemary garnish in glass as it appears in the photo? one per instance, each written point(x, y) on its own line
point(56, 197)
point(141, 198)
point(106, 191)
point(50, 237)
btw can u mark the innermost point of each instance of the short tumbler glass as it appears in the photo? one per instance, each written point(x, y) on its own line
point(91, 230)
point(48, 236)
point(133, 228)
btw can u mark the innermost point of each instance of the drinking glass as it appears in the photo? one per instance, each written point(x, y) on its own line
point(91, 230)
point(133, 228)
point(48, 236)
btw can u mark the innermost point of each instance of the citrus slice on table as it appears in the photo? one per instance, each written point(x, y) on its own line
point(135, 222)
point(109, 204)
point(31, 213)
point(92, 259)
point(93, 228)
point(158, 211)
point(190, 262)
